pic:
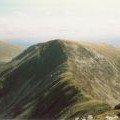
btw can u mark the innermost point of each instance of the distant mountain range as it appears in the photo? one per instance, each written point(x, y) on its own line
point(28, 42)
point(113, 42)
point(60, 80)
point(8, 51)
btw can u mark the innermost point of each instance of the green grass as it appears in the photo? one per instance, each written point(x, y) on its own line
point(90, 107)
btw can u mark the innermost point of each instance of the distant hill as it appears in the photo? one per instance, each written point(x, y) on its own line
point(8, 51)
point(60, 80)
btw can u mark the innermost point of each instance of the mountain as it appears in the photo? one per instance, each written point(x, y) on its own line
point(60, 80)
point(8, 51)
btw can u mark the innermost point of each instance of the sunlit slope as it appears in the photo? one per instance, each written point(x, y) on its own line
point(96, 69)
point(58, 79)
point(112, 53)
point(8, 51)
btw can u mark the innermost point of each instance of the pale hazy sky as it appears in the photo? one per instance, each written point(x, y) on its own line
point(51, 19)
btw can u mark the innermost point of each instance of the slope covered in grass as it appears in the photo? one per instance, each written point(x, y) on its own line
point(58, 79)
point(8, 51)
point(110, 113)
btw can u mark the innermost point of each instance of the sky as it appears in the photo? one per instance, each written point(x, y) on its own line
point(30, 21)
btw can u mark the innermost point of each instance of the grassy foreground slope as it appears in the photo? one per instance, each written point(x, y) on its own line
point(58, 79)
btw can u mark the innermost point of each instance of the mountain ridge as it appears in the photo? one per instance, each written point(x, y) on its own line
point(58, 79)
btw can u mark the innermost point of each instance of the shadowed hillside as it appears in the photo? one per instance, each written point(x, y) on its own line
point(59, 79)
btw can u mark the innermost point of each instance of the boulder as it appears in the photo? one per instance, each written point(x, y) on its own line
point(117, 107)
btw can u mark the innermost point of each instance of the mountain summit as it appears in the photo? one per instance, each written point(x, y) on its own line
point(60, 80)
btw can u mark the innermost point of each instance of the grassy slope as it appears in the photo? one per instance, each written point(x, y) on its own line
point(108, 113)
point(96, 71)
point(8, 51)
point(46, 82)
point(112, 53)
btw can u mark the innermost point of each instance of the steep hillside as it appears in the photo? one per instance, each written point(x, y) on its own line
point(8, 51)
point(59, 79)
